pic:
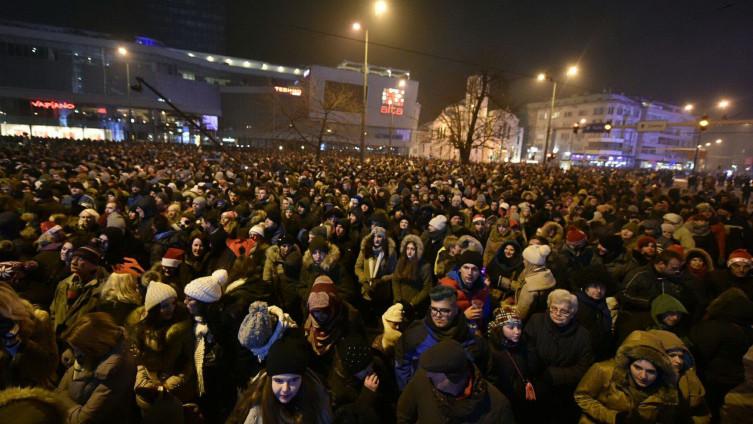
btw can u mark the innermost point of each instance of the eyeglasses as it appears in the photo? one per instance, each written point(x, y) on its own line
point(562, 312)
point(440, 311)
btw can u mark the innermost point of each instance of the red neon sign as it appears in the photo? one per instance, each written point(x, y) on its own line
point(393, 101)
point(51, 104)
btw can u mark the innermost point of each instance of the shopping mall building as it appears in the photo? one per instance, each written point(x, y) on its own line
point(57, 82)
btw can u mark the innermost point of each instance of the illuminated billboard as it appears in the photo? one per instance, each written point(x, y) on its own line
point(393, 102)
point(210, 122)
point(51, 104)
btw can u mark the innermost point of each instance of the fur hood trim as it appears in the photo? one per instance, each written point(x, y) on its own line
point(330, 260)
point(410, 238)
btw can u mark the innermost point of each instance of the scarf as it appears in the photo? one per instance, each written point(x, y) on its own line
point(322, 336)
point(601, 306)
point(202, 336)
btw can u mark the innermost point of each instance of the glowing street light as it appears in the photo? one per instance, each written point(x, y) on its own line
point(723, 104)
point(380, 7)
point(122, 51)
point(718, 141)
point(356, 26)
point(689, 107)
point(708, 144)
point(572, 71)
point(541, 77)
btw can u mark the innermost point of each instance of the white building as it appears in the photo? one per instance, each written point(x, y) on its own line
point(621, 147)
point(497, 128)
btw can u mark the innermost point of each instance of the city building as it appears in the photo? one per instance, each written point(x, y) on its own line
point(57, 82)
point(667, 147)
point(498, 134)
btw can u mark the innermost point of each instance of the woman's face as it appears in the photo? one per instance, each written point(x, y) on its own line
point(66, 251)
point(512, 331)
point(644, 373)
point(167, 308)
point(197, 247)
point(509, 251)
point(192, 305)
point(410, 250)
point(561, 313)
point(286, 386)
point(697, 264)
point(596, 291)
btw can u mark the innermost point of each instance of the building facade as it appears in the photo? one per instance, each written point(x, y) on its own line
point(671, 147)
point(56, 82)
point(498, 133)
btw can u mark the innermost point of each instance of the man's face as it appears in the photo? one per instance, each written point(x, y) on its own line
point(261, 194)
point(169, 271)
point(443, 312)
point(480, 226)
point(285, 203)
point(110, 207)
point(740, 269)
point(284, 249)
point(671, 319)
point(596, 291)
point(339, 230)
point(649, 250)
point(378, 240)
point(233, 197)
point(75, 191)
point(468, 274)
point(82, 267)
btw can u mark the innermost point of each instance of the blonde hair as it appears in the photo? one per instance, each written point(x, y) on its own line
point(16, 309)
point(121, 287)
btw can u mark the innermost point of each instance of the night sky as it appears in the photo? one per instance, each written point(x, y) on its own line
point(671, 50)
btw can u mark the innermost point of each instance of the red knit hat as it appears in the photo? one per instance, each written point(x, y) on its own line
point(575, 236)
point(677, 248)
point(478, 217)
point(644, 241)
point(739, 255)
point(173, 257)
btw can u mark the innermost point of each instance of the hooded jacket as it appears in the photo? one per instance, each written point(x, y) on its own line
point(495, 241)
point(531, 297)
point(502, 267)
point(346, 288)
point(607, 388)
point(663, 304)
point(370, 267)
point(478, 292)
point(421, 402)
point(692, 404)
point(414, 288)
point(738, 404)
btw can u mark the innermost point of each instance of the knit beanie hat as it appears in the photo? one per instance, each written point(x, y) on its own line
point(503, 315)
point(257, 229)
point(157, 293)
point(739, 255)
point(287, 356)
point(221, 277)
point(613, 243)
point(447, 357)
point(536, 253)
point(116, 220)
point(645, 241)
point(173, 257)
point(355, 354)
point(323, 294)
point(204, 289)
point(257, 327)
point(439, 222)
point(673, 218)
point(576, 236)
point(470, 257)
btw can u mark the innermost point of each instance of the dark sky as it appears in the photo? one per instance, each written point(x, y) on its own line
point(670, 50)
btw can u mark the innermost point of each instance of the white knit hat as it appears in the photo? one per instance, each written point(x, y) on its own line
point(536, 254)
point(204, 289)
point(221, 276)
point(257, 229)
point(439, 222)
point(157, 293)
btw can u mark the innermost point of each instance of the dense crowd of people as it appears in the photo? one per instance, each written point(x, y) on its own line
point(145, 282)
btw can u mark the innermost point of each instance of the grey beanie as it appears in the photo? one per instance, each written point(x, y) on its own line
point(257, 327)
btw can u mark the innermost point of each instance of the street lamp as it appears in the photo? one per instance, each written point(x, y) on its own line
point(723, 104)
point(123, 52)
point(380, 8)
point(718, 141)
point(570, 72)
point(689, 107)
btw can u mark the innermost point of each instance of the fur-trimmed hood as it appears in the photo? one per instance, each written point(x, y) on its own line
point(331, 259)
point(416, 240)
point(644, 345)
point(702, 253)
point(470, 243)
point(549, 228)
point(43, 404)
point(366, 245)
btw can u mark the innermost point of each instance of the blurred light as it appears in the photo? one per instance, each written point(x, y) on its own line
point(280, 69)
point(191, 55)
point(122, 51)
point(279, 147)
point(247, 64)
point(541, 77)
point(583, 120)
point(229, 61)
point(356, 26)
point(210, 58)
point(708, 144)
point(401, 83)
point(723, 104)
point(688, 107)
point(698, 146)
point(380, 7)
point(572, 71)
point(718, 141)
point(302, 147)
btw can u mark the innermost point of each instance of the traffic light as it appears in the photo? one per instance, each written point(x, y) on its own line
point(576, 127)
point(608, 127)
point(703, 123)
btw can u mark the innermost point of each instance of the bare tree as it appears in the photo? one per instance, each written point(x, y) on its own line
point(470, 124)
point(321, 107)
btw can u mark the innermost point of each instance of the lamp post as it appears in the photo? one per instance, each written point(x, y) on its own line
point(380, 7)
point(571, 72)
point(123, 52)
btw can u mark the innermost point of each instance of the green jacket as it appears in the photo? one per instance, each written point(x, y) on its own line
point(64, 314)
point(604, 391)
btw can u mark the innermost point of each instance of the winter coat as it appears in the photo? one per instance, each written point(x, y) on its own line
point(479, 292)
point(738, 404)
point(104, 394)
point(721, 340)
point(608, 389)
point(692, 406)
point(432, 243)
point(502, 270)
point(64, 314)
point(569, 261)
point(644, 284)
point(496, 240)
point(663, 304)
point(595, 317)
point(421, 402)
point(618, 265)
point(347, 289)
point(34, 404)
point(374, 273)
point(35, 360)
point(509, 370)
point(538, 282)
point(684, 236)
point(414, 288)
point(423, 334)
